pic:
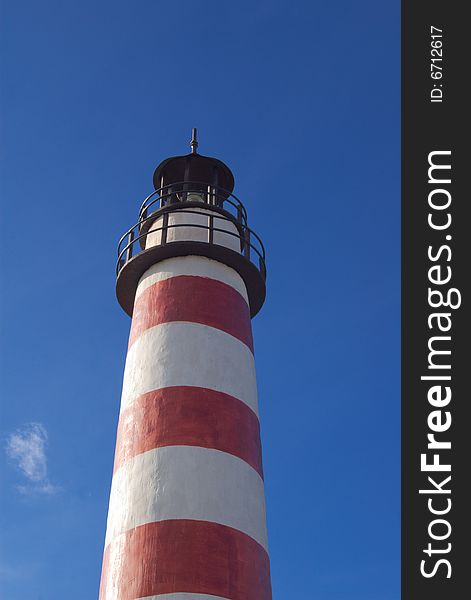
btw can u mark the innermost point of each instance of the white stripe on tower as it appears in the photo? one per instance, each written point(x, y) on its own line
point(189, 354)
point(222, 488)
point(187, 513)
point(192, 265)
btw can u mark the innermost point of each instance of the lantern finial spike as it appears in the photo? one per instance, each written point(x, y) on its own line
point(193, 143)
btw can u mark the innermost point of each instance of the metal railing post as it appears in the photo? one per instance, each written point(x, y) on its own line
point(163, 239)
point(262, 267)
point(211, 230)
point(247, 244)
point(130, 245)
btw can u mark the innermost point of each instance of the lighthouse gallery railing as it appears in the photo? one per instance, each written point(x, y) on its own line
point(217, 203)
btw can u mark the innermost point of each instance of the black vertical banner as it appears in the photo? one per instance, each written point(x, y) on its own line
point(436, 332)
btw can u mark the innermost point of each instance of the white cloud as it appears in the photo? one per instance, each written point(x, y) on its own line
point(26, 448)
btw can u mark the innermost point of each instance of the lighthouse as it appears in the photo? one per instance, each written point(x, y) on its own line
point(186, 518)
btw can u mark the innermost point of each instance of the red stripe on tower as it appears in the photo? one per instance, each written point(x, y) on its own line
point(189, 416)
point(194, 299)
point(185, 556)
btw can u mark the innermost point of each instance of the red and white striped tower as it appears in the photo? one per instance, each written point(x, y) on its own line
point(186, 518)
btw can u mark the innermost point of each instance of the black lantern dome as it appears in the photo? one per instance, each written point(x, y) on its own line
point(204, 170)
point(193, 211)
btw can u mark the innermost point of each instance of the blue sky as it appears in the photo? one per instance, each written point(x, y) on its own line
point(301, 99)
